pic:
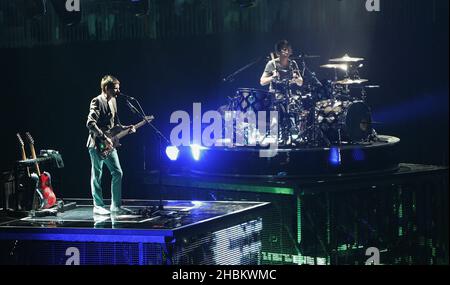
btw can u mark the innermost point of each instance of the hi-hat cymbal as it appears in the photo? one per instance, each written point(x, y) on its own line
point(336, 66)
point(351, 81)
point(347, 58)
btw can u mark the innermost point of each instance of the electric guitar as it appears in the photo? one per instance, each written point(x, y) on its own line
point(22, 151)
point(44, 189)
point(115, 134)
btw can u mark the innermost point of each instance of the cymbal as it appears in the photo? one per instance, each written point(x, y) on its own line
point(347, 58)
point(342, 66)
point(351, 81)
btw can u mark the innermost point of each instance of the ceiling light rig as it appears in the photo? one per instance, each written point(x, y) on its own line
point(245, 3)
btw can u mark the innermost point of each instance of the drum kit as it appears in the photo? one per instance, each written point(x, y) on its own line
point(318, 114)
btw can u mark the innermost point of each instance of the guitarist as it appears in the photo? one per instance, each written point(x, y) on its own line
point(102, 118)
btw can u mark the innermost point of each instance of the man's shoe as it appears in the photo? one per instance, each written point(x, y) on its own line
point(121, 211)
point(101, 210)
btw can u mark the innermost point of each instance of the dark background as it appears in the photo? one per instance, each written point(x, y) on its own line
point(47, 86)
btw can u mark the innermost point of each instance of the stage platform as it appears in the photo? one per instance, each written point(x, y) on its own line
point(286, 185)
point(184, 232)
point(333, 219)
point(330, 219)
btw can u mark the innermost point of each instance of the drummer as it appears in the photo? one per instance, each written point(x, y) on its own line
point(282, 71)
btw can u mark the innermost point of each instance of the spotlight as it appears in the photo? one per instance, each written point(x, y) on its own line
point(197, 204)
point(335, 156)
point(172, 153)
point(140, 7)
point(245, 3)
point(196, 151)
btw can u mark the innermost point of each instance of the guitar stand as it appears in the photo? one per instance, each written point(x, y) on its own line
point(25, 205)
point(60, 207)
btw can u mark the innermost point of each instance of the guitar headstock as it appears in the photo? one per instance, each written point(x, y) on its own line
point(20, 139)
point(30, 138)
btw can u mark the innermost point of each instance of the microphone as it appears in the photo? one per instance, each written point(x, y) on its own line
point(126, 96)
point(131, 106)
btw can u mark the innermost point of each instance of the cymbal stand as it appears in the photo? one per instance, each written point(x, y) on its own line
point(363, 94)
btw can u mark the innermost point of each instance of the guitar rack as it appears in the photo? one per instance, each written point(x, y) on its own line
point(44, 156)
point(23, 191)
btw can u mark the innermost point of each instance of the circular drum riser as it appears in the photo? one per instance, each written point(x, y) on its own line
point(378, 156)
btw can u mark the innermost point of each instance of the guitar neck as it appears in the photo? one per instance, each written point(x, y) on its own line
point(33, 156)
point(137, 126)
point(24, 157)
point(140, 124)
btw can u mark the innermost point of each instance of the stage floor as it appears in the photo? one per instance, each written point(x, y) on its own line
point(146, 221)
point(184, 233)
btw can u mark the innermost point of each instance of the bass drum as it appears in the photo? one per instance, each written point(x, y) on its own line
point(248, 99)
point(344, 121)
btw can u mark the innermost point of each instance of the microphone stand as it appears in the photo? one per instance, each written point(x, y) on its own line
point(160, 136)
point(310, 73)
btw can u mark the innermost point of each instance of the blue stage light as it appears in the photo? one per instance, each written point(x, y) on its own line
point(358, 154)
point(196, 151)
point(197, 204)
point(335, 156)
point(172, 153)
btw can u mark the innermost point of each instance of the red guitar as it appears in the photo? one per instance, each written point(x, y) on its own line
point(43, 182)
